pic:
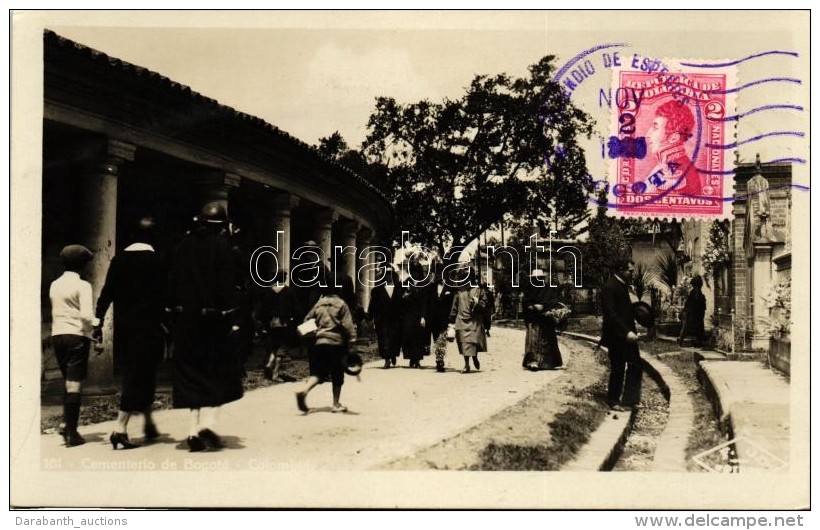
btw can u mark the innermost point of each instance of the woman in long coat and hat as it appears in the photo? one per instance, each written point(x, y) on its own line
point(541, 350)
point(467, 318)
point(204, 300)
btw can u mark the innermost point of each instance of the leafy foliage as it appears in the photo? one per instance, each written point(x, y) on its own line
point(454, 168)
point(716, 255)
point(605, 245)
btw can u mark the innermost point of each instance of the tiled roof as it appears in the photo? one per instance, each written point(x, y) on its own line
point(164, 83)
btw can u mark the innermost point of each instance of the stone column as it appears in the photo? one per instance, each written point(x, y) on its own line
point(347, 260)
point(761, 280)
point(98, 223)
point(364, 239)
point(282, 204)
point(323, 230)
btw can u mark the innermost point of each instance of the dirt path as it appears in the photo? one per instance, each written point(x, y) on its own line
point(394, 414)
point(525, 423)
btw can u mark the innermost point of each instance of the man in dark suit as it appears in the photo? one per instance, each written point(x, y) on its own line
point(618, 335)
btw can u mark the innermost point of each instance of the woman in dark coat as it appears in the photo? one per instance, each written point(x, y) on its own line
point(694, 310)
point(415, 334)
point(205, 302)
point(275, 313)
point(385, 311)
point(135, 284)
point(541, 350)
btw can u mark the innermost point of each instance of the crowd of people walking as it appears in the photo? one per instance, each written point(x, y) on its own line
point(196, 301)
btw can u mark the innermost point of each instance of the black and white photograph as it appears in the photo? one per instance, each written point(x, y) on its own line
point(415, 260)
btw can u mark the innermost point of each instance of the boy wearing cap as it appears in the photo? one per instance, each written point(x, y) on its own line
point(72, 322)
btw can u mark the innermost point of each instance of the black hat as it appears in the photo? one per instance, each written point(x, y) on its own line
point(75, 256)
point(643, 314)
point(213, 212)
point(353, 364)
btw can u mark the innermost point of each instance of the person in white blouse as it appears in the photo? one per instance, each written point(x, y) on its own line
point(72, 322)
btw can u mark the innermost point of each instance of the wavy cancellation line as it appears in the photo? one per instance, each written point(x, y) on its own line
point(788, 160)
point(758, 82)
point(755, 139)
point(738, 61)
point(738, 117)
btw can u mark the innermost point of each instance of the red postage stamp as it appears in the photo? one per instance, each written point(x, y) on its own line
point(670, 146)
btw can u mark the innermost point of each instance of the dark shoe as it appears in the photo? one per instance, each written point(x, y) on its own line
point(466, 370)
point(121, 438)
point(268, 373)
point(387, 363)
point(151, 432)
point(439, 367)
point(393, 361)
point(73, 439)
point(211, 439)
point(487, 333)
point(476, 363)
point(195, 444)
point(301, 402)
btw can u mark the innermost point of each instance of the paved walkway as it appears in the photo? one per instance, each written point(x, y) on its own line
point(754, 401)
point(393, 413)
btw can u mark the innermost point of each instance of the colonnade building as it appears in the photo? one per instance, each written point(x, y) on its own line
point(121, 142)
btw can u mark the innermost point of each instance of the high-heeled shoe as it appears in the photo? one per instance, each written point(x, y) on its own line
point(211, 439)
point(476, 363)
point(121, 438)
point(195, 444)
point(151, 432)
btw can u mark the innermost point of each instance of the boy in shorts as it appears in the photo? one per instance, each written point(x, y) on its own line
point(334, 333)
point(72, 322)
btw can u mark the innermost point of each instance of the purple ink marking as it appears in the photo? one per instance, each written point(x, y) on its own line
point(758, 82)
point(558, 75)
point(760, 109)
point(756, 138)
point(732, 63)
point(776, 161)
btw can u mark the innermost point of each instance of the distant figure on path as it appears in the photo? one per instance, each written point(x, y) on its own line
point(441, 296)
point(467, 319)
point(385, 310)
point(541, 351)
point(275, 312)
point(694, 309)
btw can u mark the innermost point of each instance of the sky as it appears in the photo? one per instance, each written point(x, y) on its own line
point(313, 73)
point(311, 82)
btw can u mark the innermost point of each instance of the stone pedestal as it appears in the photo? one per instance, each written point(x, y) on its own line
point(761, 281)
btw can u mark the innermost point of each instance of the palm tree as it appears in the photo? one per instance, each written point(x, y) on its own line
point(642, 280)
point(666, 271)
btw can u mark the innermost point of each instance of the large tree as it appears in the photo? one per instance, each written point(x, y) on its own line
point(452, 169)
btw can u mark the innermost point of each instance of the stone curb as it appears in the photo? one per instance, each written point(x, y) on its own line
point(606, 444)
point(610, 438)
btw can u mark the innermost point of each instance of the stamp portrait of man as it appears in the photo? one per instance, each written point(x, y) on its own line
point(666, 140)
